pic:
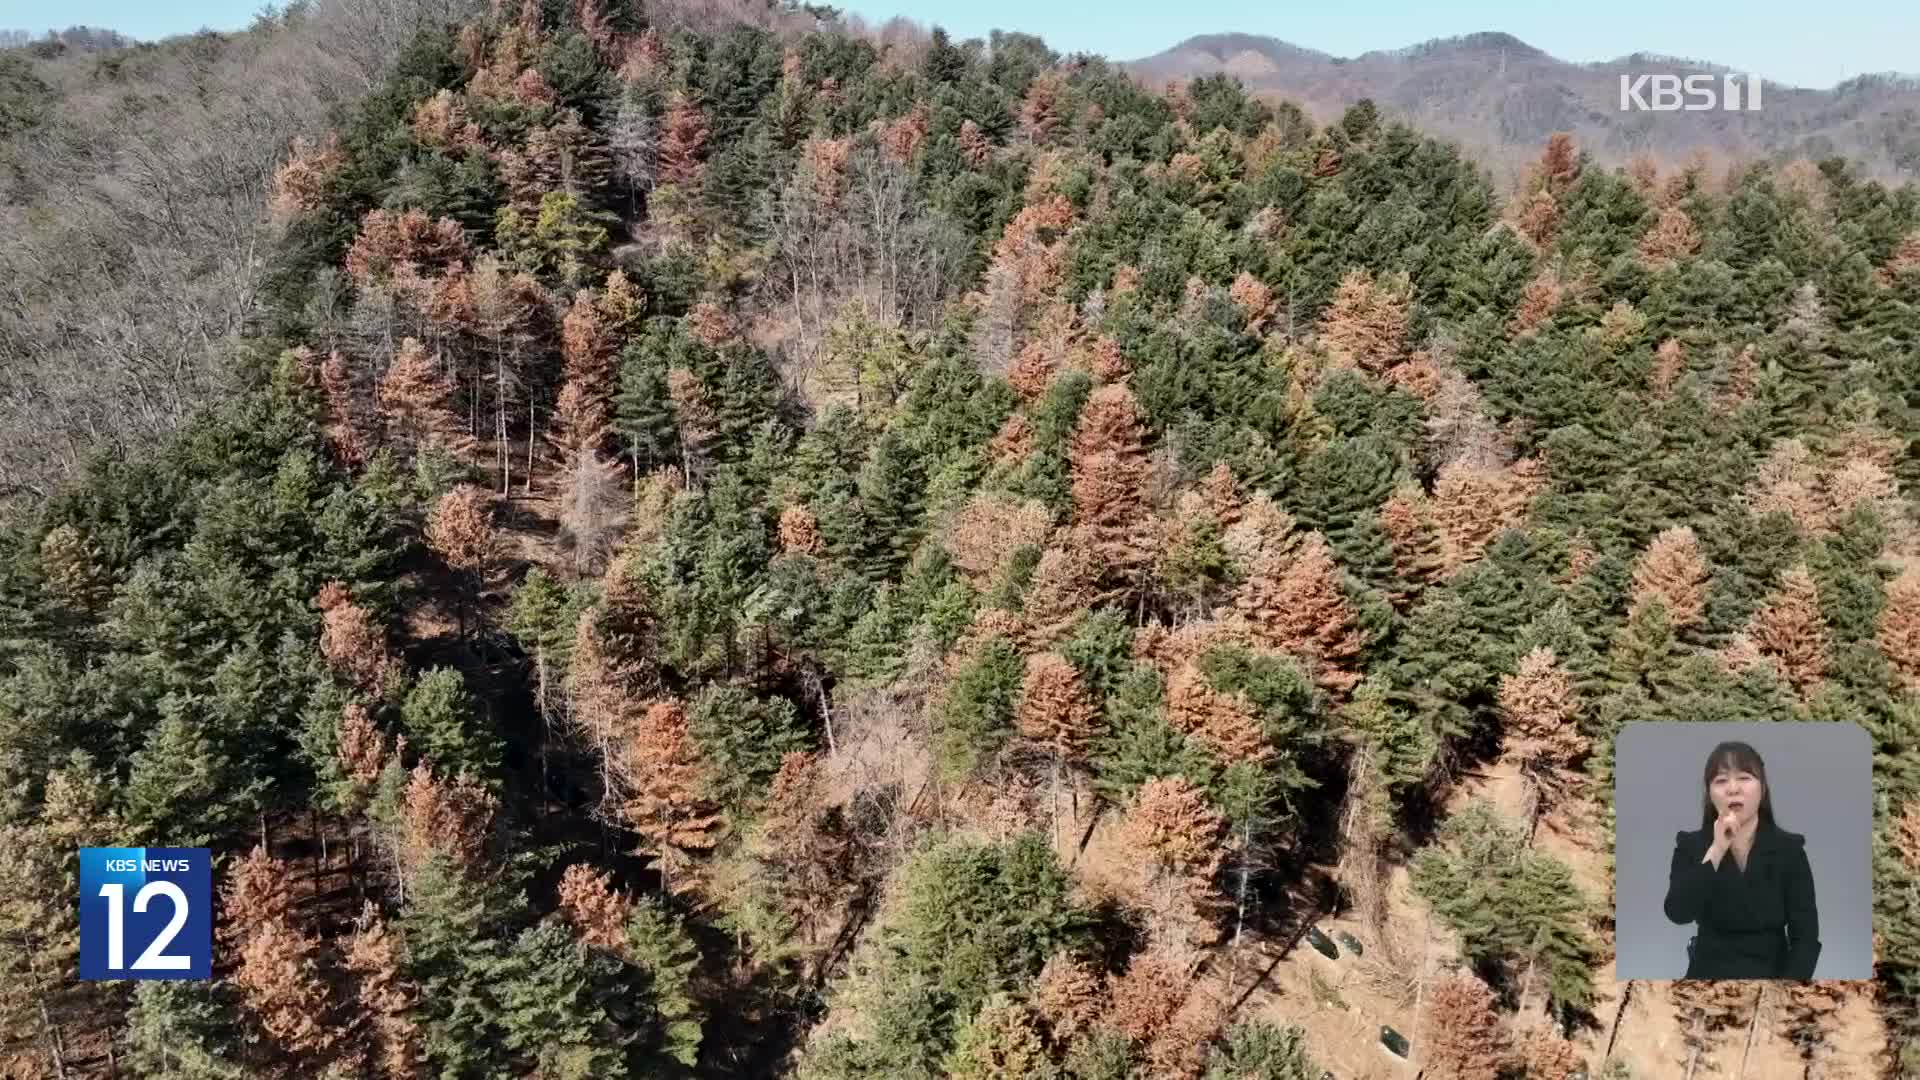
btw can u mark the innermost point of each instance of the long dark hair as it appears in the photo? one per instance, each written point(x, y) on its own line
point(1734, 757)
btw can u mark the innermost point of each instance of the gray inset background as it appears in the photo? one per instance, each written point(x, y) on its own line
point(1821, 776)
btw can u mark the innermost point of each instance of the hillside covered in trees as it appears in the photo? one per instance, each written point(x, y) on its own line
point(732, 546)
point(1501, 97)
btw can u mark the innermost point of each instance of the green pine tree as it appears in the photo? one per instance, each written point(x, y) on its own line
point(441, 722)
point(555, 998)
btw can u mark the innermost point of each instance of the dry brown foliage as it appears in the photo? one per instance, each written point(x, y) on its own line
point(1366, 324)
point(698, 422)
point(1032, 246)
point(1540, 706)
point(1537, 217)
point(1143, 1001)
point(416, 400)
point(825, 161)
point(974, 144)
point(902, 136)
point(1669, 363)
point(1906, 834)
point(391, 239)
point(441, 121)
point(1742, 376)
point(1064, 584)
point(1105, 359)
point(354, 646)
point(1254, 298)
point(1462, 1038)
point(1041, 111)
point(800, 532)
point(804, 845)
point(1473, 504)
point(1672, 237)
point(1013, 442)
point(1068, 995)
point(278, 977)
point(1173, 834)
point(345, 433)
point(375, 956)
point(597, 912)
point(1811, 1013)
point(1264, 531)
point(453, 819)
point(1055, 709)
point(711, 324)
point(1222, 494)
point(1790, 632)
point(1905, 259)
point(683, 141)
point(1546, 1056)
point(1898, 633)
point(1295, 604)
point(256, 894)
point(588, 345)
point(666, 781)
point(1223, 722)
point(990, 528)
point(361, 749)
point(1674, 572)
point(1181, 1049)
point(460, 528)
point(1538, 301)
point(646, 57)
point(1033, 369)
point(1789, 481)
point(1707, 1005)
point(1110, 470)
point(300, 183)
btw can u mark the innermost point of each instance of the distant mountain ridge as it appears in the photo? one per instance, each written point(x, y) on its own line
point(1501, 97)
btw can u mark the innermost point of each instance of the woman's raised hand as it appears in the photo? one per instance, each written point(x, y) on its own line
point(1722, 839)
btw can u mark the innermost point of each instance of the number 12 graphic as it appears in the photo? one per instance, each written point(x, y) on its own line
point(154, 902)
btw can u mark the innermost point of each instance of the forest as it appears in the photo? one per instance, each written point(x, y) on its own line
point(722, 541)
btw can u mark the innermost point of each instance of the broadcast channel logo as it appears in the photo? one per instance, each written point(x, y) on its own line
point(146, 913)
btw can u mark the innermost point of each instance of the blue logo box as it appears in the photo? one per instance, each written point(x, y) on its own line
point(146, 913)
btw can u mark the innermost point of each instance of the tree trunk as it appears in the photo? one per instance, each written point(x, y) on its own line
point(1753, 1025)
point(1696, 1042)
point(546, 718)
point(1053, 829)
point(56, 1046)
point(500, 425)
point(1613, 1033)
point(1240, 915)
point(826, 708)
point(319, 850)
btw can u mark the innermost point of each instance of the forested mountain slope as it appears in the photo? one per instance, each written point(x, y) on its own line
point(734, 550)
point(1502, 97)
point(133, 218)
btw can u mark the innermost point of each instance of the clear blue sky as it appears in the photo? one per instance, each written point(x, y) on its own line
point(1801, 42)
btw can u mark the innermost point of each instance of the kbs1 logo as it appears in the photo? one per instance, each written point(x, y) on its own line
point(146, 913)
point(1694, 93)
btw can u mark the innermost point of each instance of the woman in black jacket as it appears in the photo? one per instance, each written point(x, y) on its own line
point(1743, 879)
